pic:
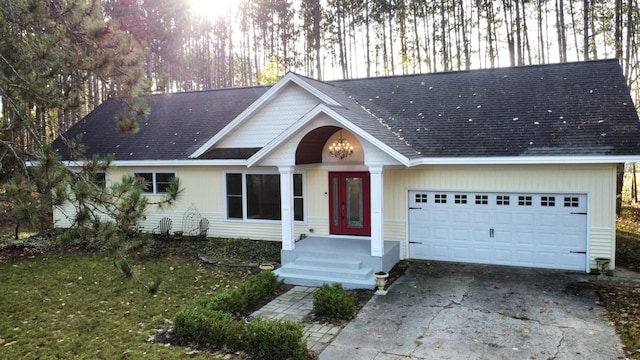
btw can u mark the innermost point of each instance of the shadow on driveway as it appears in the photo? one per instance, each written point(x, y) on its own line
point(462, 311)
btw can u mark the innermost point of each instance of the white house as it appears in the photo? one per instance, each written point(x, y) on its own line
point(511, 166)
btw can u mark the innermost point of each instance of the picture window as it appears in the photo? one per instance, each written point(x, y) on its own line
point(257, 196)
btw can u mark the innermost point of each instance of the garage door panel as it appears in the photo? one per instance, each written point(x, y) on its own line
point(440, 234)
point(524, 238)
point(441, 215)
point(461, 253)
point(538, 230)
point(483, 254)
point(547, 220)
point(502, 255)
point(525, 219)
point(461, 235)
point(503, 218)
point(480, 218)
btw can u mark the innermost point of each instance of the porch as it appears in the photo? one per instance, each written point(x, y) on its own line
point(318, 260)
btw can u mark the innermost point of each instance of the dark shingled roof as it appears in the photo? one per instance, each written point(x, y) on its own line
point(177, 126)
point(570, 109)
point(581, 108)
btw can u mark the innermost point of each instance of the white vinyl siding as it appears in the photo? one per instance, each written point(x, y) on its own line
point(274, 118)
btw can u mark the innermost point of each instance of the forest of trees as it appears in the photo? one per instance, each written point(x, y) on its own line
point(60, 59)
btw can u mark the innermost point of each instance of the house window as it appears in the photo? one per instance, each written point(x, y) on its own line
point(482, 199)
point(502, 200)
point(100, 179)
point(155, 182)
point(548, 201)
point(460, 199)
point(257, 196)
point(440, 199)
point(524, 200)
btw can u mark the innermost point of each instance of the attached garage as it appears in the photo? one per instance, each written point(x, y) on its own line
point(544, 230)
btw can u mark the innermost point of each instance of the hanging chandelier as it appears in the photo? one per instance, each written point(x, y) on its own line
point(341, 148)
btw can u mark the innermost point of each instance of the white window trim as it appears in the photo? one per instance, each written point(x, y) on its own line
point(244, 174)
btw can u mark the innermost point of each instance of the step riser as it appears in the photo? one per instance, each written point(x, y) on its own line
point(317, 281)
point(329, 263)
point(293, 270)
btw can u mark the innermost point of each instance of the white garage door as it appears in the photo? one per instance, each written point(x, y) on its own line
point(517, 229)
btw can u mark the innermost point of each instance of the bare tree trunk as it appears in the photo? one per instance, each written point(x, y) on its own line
point(391, 39)
point(367, 37)
point(416, 37)
point(634, 184)
point(562, 37)
point(618, 29)
point(619, 183)
point(527, 45)
point(465, 41)
point(443, 34)
point(586, 29)
point(574, 28)
point(541, 42)
point(518, 35)
point(508, 23)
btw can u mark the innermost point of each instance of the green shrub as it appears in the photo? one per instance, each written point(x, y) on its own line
point(230, 301)
point(260, 286)
point(275, 340)
point(249, 293)
point(206, 326)
point(332, 302)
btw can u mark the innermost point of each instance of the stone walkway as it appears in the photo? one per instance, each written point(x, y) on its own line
point(294, 305)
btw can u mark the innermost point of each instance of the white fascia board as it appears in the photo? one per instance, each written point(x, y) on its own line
point(526, 160)
point(161, 163)
point(307, 118)
point(262, 100)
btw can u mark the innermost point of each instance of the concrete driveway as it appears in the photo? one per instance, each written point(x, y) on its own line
point(461, 311)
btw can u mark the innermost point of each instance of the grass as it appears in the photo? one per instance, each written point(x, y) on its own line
point(80, 306)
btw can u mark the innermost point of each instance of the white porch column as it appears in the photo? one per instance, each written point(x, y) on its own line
point(286, 201)
point(377, 216)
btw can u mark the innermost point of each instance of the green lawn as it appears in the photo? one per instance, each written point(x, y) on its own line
point(80, 306)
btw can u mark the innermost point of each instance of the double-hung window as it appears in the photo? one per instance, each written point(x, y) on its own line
point(257, 196)
point(155, 182)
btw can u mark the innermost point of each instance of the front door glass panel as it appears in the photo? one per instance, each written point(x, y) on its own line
point(354, 202)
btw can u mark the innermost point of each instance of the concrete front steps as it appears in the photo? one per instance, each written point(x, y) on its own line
point(316, 271)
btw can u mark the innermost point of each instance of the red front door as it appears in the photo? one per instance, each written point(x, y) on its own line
point(349, 203)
